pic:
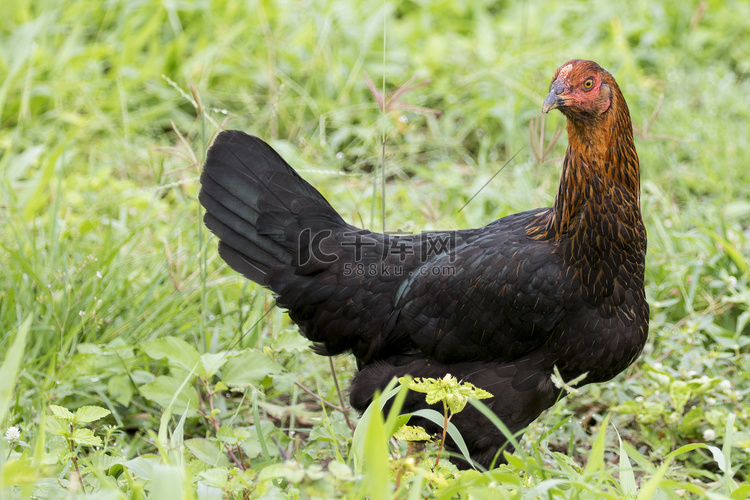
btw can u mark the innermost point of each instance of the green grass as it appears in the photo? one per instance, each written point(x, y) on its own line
point(131, 309)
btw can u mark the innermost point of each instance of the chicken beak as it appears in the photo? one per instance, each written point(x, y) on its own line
point(553, 99)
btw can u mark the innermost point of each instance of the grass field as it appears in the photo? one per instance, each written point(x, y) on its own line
point(135, 364)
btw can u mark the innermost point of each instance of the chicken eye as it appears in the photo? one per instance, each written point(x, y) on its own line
point(588, 84)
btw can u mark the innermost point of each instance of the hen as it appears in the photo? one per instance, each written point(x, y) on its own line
point(499, 306)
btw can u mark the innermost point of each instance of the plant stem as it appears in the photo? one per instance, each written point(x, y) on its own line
point(311, 393)
point(75, 460)
point(445, 431)
point(338, 390)
point(215, 421)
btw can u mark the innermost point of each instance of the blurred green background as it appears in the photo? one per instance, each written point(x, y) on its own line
point(101, 144)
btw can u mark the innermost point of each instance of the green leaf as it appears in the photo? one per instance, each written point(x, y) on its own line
point(729, 438)
point(627, 408)
point(177, 439)
point(289, 471)
point(120, 388)
point(412, 433)
point(679, 394)
point(453, 432)
point(208, 451)
point(376, 482)
point(248, 369)
point(57, 427)
point(259, 428)
point(86, 414)
point(163, 390)
point(596, 455)
point(250, 443)
point(142, 467)
point(685, 449)
point(627, 477)
point(649, 489)
point(178, 352)
point(360, 432)
point(225, 434)
point(691, 420)
point(340, 470)
point(650, 412)
point(62, 413)
point(85, 437)
point(741, 493)
point(11, 364)
point(212, 363)
point(168, 482)
point(218, 478)
point(19, 472)
point(447, 390)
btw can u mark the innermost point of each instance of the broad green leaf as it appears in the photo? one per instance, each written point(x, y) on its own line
point(285, 381)
point(86, 414)
point(216, 478)
point(85, 437)
point(627, 408)
point(502, 477)
point(225, 434)
point(412, 433)
point(741, 493)
point(164, 388)
point(142, 467)
point(691, 420)
point(62, 413)
point(212, 363)
point(120, 389)
point(11, 364)
point(515, 461)
point(248, 369)
point(208, 451)
point(178, 352)
point(250, 439)
point(57, 427)
point(289, 471)
point(650, 412)
point(340, 470)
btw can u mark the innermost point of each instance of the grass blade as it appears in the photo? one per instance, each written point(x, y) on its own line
point(596, 456)
point(627, 477)
point(9, 370)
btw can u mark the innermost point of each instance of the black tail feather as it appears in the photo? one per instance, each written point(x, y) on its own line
point(258, 206)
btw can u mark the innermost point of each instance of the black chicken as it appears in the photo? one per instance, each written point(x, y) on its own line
point(498, 306)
